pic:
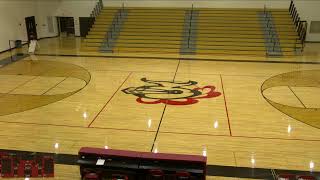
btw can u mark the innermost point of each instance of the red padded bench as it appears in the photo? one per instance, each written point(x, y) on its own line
point(119, 164)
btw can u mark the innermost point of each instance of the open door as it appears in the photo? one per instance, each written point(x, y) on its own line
point(31, 28)
point(66, 26)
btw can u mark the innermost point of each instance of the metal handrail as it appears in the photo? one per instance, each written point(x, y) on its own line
point(115, 24)
point(97, 9)
point(301, 26)
point(190, 26)
point(291, 6)
point(270, 28)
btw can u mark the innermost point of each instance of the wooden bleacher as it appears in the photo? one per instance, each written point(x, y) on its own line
point(239, 32)
point(218, 31)
point(97, 33)
point(287, 31)
point(151, 30)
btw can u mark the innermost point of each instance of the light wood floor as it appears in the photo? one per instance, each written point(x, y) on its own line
point(232, 129)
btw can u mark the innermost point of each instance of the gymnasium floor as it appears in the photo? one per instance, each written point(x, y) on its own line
point(243, 114)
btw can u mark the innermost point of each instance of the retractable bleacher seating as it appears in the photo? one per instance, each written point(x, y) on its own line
point(132, 165)
point(239, 32)
point(225, 31)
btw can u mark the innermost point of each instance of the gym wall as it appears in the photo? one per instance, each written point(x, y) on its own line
point(12, 14)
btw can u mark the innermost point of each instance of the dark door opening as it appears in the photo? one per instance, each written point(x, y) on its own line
point(31, 28)
point(66, 26)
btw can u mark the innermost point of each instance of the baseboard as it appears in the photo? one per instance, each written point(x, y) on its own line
point(27, 43)
point(48, 37)
point(11, 48)
point(312, 41)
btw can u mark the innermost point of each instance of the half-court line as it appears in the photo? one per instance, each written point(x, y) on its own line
point(225, 104)
point(297, 97)
point(109, 100)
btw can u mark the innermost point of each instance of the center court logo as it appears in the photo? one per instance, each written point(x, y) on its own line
point(171, 92)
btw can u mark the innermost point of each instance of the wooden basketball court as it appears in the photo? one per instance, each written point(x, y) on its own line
point(235, 81)
point(242, 114)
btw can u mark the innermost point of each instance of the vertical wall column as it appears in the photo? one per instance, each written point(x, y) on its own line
point(272, 41)
point(114, 31)
point(189, 33)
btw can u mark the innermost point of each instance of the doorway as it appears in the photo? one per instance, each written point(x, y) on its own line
point(31, 28)
point(66, 26)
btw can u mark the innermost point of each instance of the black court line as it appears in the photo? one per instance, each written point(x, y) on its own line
point(181, 58)
point(164, 109)
point(175, 74)
point(226, 106)
point(166, 132)
point(297, 96)
point(22, 84)
point(54, 86)
point(212, 170)
point(105, 105)
point(156, 136)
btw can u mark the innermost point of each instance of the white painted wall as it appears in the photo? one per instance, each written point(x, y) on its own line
point(12, 14)
point(75, 9)
point(63, 8)
point(43, 9)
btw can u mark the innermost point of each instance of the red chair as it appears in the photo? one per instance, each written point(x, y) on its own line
point(286, 177)
point(183, 175)
point(91, 176)
point(156, 174)
point(306, 178)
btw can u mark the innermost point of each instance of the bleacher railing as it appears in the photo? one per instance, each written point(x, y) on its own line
point(97, 9)
point(115, 26)
point(272, 35)
point(301, 26)
point(190, 27)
